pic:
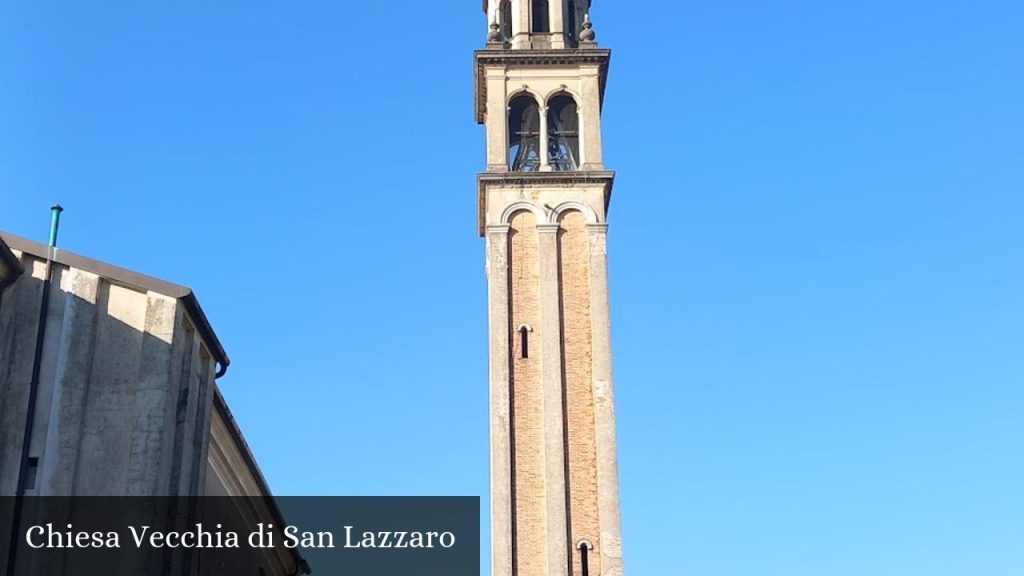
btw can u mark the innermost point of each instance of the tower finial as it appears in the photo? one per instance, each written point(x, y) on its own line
point(587, 36)
point(495, 36)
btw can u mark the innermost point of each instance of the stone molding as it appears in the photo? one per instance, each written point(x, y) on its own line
point(605, 178)
point(569, 205)
point(534, 58)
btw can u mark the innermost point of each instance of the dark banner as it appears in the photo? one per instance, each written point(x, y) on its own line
point(362, 536)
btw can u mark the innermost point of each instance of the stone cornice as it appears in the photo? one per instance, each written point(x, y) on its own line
point(532, 178)
point(605, 178)
point(534, 58)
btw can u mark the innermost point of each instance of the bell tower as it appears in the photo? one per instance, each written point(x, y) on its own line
point(543, 203)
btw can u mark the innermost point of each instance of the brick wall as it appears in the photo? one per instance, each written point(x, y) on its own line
point(577, 351)
point(528, 398)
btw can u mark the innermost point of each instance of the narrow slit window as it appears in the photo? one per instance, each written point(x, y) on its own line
point(32, 473)
point(524, 340)
point(585, 547)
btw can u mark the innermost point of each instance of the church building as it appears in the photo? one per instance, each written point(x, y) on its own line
point(543, 207)
point(108, 387)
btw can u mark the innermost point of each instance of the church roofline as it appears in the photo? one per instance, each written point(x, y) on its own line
point(131, 279)
point(222, 408)
point(605, 177)
point(510, 57)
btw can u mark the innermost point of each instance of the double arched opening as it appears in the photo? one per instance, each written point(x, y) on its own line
point(548, 143)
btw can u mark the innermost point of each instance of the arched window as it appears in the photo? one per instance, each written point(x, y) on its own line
point(563, 133)
point(505, 19)
point(524, 134)
point(540, 16)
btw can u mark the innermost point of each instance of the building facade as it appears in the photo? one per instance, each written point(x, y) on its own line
point(543, 205)
point(108, 388)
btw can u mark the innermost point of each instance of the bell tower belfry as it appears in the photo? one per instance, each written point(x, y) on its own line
point(543, 203)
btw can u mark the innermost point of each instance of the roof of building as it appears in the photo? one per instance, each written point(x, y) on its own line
point(125, 278)
point(243, 447)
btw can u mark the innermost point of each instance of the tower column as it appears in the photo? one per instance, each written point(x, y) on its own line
point(582, 123)
point(544, 165)
point(554, 402)
point(604, 406)
point(498, 137)
point(501, 420)
point(590, 120)
point(520, 24)
point(555, 13)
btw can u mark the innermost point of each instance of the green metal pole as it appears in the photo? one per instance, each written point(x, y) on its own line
point(54, 224)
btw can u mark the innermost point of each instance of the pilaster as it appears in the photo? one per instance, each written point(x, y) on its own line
point(556, 14)
point(497, 133)
point(545, 165)
point(604, 406)
point(554, 402)
point(590, 122)
point(500, 401)
point(520, 24)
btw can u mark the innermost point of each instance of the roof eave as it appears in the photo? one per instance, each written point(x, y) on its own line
point(235, 430)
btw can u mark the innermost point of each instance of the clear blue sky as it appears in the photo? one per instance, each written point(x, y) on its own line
point(815, 252)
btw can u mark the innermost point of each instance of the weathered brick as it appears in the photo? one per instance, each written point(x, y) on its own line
point(528, 398)
point(577, 354)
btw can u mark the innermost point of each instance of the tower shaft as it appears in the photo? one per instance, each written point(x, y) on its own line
point(543, 211)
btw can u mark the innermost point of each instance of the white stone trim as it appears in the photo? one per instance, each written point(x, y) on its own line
point(591, 215)
point(563, 89)
point(524, 89)
point(519, 206)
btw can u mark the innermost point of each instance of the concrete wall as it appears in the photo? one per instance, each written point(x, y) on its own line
point(127, 405)
point(125, 390)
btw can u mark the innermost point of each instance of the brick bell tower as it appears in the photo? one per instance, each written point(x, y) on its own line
point(543, 202)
